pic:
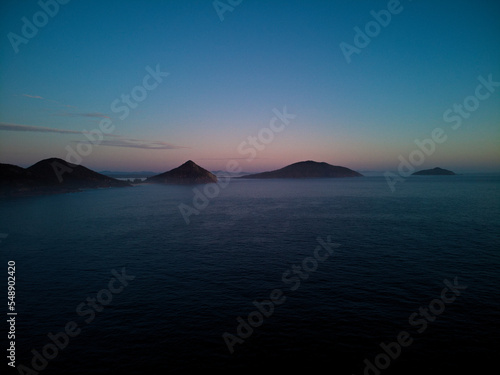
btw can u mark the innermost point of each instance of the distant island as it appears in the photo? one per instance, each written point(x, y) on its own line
point(434, 172)
point(224, 173)
point(50, 176)
point(307, 169)
point(187, 174)
point(54, 175)
point(128, 175)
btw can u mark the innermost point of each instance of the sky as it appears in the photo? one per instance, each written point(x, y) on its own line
point(148, 85)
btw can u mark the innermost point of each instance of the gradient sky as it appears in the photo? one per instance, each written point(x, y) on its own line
point(226, 77)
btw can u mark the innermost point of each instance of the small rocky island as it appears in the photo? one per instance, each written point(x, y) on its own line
point(307, 169)
point(434, 172)
point(51, 176)
point(187, 174)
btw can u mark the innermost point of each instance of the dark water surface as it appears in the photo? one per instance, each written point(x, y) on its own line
point(193, 281)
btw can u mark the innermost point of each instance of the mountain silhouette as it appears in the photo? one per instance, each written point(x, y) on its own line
point(56, 171)
point(434, 172)
point(51, 175)
point(307, 169)
point(187, 173)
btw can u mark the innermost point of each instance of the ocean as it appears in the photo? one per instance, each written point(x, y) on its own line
point(336, 275)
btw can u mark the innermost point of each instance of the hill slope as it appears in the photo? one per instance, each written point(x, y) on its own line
point(51, 176)
point(434, 172)
point(56, 171)
point(307, 169)
point(187, 173)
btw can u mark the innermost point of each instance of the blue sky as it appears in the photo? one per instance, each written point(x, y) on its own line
point(226, 78)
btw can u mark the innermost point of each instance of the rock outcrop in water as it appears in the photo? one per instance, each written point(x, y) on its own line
point(187, 174)
point(51, 176)
point(308, 169)
point(434, 172)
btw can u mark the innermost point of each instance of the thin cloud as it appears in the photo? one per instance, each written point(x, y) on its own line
point(118, 140)
point(134, 143)
point(37, 129)
point(33, 96)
